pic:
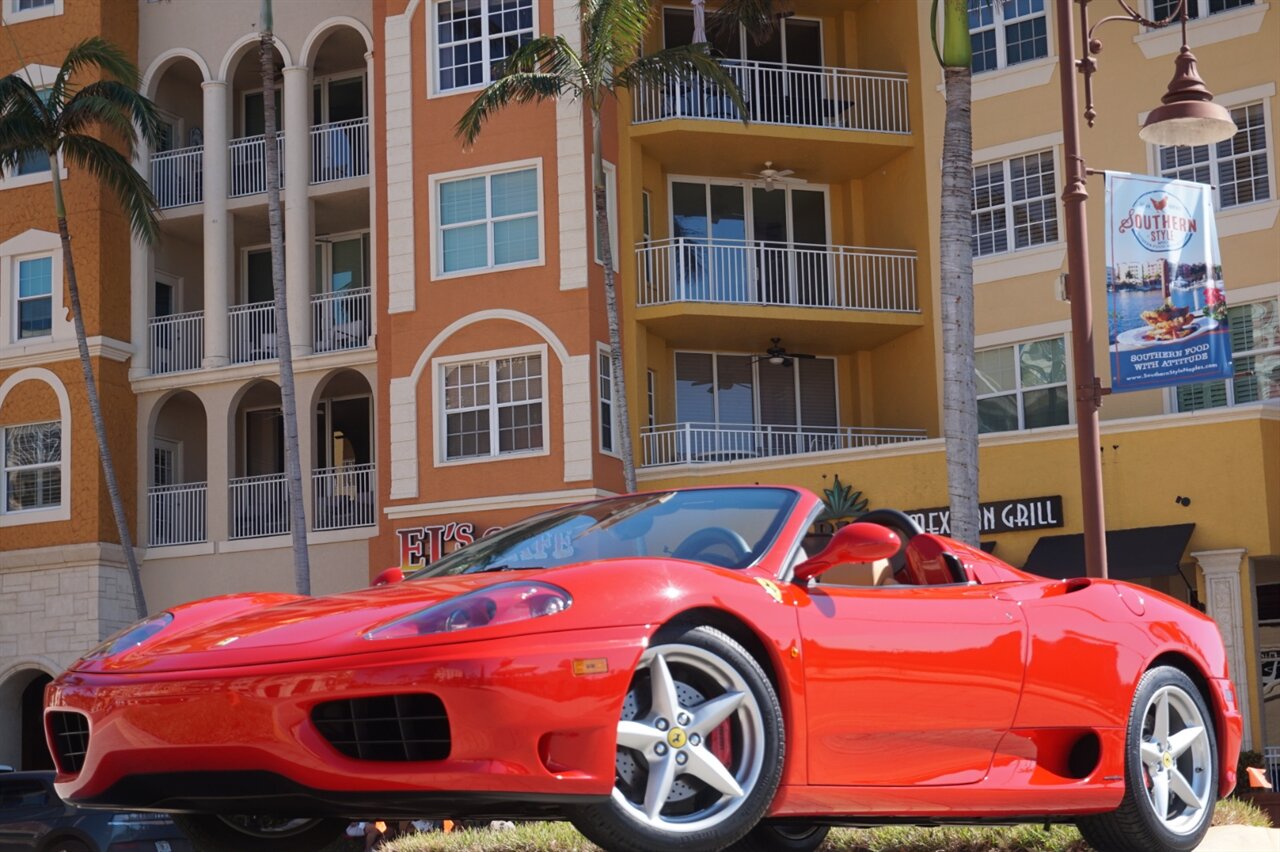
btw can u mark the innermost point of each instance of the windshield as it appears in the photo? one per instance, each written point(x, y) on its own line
point(729, 527)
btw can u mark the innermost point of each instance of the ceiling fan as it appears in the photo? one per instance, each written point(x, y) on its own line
point(772, 177)
point(778, 356)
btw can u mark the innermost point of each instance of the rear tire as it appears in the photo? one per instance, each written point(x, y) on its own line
point(774, 836)
point(212, 833)
point(1170, 771)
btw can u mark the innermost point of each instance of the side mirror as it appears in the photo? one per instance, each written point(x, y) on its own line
point(389, 577)
point(853, 543)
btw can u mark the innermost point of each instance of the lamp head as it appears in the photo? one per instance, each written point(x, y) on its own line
point(1187, 114)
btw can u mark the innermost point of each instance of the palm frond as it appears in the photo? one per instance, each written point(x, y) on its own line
point(97, 53)
point(518, 88)
point(548, 55)
point(111, 104)
point(758, 17)
point(112, 168)
point(684, 61)
point(24, 121)
point(613, 33)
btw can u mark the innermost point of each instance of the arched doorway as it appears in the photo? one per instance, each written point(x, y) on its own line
point(22, 746)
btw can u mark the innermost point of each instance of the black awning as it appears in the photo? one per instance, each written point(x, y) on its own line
point(1131, 554)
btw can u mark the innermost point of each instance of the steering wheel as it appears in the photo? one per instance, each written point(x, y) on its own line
point(899, 522)
point(697, 545)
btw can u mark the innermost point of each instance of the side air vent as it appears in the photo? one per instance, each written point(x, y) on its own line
point(70, 739)
point(406, 727)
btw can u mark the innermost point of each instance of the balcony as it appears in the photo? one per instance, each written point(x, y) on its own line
point(342, 497)
point(702, 443)
point(249, 164)
point(176, 342)
point(177, 514)
point(340, 320)
point(177, 177)
point(785, 95)
point(340, 150)
point(259, 506)
point(253, 332)
point(740, 272)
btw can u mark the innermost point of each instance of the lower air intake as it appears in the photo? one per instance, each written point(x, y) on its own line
point(407, 727)
point(70, 739)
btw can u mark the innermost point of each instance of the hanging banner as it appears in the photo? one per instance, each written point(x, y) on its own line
point(1166, 310)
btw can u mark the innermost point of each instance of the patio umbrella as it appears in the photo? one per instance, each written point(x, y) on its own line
point(699, 21)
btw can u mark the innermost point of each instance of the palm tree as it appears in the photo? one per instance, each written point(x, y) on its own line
point(288, 391)
point(959, 391)
point(61, 120)
point(610, 58)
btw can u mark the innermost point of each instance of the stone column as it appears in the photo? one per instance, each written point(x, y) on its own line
point(218, 245)
point(220, 448)
point(1223, 603)
point(299, 240)
point(141, 264)
point(374, 268)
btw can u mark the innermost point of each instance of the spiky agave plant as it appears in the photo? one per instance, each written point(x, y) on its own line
point(840, 501)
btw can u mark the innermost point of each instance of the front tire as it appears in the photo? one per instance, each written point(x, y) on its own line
point(700, 749)
point(1170, 771)
point(215, 833)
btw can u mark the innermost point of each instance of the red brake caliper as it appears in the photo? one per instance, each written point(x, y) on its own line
point(720, 741)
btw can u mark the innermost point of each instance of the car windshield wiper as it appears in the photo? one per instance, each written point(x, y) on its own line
point(490, 569)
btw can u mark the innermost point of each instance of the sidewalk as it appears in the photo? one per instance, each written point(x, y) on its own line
point(1241, 838)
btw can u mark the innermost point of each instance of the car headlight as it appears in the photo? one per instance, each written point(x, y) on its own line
point(131, 637)
point(503, 603)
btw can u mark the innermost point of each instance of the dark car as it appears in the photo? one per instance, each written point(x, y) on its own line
point(32, 817)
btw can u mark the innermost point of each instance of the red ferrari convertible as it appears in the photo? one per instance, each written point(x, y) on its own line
point(669, 671)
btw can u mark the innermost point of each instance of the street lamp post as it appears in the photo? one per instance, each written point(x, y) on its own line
point(1188, 116)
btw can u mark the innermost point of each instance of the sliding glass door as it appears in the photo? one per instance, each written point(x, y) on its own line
point(766, 246)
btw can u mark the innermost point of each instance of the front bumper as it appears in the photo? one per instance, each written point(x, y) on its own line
point(526, 732)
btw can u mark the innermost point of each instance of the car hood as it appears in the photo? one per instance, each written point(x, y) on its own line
point(243, 630)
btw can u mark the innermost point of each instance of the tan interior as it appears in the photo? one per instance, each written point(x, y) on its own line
point(878, 573)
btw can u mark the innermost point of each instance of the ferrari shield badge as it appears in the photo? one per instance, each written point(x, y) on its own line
point(770, 587)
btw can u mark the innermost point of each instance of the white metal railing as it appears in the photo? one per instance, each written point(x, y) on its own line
point(342, 497)
point(792, 95)
point(177, 177)
point(177, 342)
point(696, 443)
point(340, 150)
point(1271, 758)
point(259, 505)
point(340, 320)
point(253, 332)
point(249, 164)
point(767, 273)
point(177, 514)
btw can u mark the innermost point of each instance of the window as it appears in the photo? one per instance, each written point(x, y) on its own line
point(34, 308)
point(493, 407)
point(717, 388)
point(1161, 9)
point(475, 37)
point(608, 419)
point(32, 467)
point(1007, 32)
point(489, 221)
point(611, 206)
point(17, 11)
point(33, 161)
point(1022, 386)
point(1239, 164)
point(1269, 613)
point(1014, 205)
point(1255, 354)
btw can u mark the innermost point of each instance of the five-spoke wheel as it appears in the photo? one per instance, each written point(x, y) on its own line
point(700, 745)
point(1171, 772)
